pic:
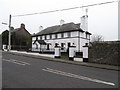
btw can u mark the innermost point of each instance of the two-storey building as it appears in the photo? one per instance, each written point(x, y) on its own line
point(64, 35)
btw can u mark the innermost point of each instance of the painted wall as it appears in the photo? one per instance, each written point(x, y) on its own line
point(77, 39)
point(72, 41)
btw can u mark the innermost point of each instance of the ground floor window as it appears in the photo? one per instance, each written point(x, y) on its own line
point(56, 44)
point(62, 46)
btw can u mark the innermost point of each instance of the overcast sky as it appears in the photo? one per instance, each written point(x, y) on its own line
point(102, 19)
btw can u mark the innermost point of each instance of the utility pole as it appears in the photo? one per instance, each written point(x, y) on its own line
point(9, 42)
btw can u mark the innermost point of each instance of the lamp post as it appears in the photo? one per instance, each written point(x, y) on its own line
point(9, 38)
point(9, 41)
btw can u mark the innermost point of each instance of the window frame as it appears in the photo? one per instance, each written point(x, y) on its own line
point(68, 34)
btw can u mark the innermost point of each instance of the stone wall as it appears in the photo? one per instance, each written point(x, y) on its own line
point(105, 52)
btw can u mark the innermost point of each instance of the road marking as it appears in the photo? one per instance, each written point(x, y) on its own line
point(13, 62)
point(16, 62)
point(77, 76)
point(20, 61)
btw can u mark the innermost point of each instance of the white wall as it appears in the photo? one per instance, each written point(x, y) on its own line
point(66, 41)
point(78, 42)
point(82, 43)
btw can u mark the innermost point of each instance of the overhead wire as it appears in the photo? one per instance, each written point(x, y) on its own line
point(83, 6)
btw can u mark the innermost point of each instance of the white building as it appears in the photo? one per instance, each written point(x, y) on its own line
point(63, 35)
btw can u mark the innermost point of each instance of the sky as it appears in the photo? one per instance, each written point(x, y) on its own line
point(102, 19)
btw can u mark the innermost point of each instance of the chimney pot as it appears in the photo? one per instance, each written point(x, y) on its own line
point(40, 28)
point(62, 22)
point(22, 26)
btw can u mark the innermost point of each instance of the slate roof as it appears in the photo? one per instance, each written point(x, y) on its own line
point(21, 30)
point(60, 28)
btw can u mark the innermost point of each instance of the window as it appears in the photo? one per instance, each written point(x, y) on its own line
point(55, 35)
point(86, 35)
point(62, 35)
point(69, 34)
point(50, 36)
point(45, 37)
point(40, 37)
point(56, 44)
point(86, 44)
point(62, 46)
point(36, 38)
point(69, 44)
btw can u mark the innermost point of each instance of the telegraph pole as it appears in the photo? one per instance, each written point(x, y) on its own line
point(9, 42)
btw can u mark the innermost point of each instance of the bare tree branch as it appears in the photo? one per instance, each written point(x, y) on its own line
point(97, 38)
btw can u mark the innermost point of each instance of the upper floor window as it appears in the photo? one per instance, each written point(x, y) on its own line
point(62, 35)
point(69, 34)
point(40, 37)
point(36, 38)
point(50, 36)
point(45, 37)
point(55, 35)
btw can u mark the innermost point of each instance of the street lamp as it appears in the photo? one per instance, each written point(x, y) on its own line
point(9, 39)
point(4, 23)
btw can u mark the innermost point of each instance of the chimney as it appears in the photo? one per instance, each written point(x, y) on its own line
point(12, 29)
point(40, 28)
point(22, 26)
point(84, 21)
point(62, 22)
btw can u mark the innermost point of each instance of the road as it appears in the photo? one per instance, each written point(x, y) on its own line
point(26, 72)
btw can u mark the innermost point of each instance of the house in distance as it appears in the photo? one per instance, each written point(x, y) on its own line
point(21, 38)
point(63, 35)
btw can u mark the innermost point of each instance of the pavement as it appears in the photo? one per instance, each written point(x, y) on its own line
point(50, 57)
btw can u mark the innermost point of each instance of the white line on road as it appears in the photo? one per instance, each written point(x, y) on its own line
point(16, 62)
point(77, 76)
point(20, 61)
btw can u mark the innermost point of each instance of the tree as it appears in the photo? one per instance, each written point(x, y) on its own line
point(97, 38)
point(5, 35)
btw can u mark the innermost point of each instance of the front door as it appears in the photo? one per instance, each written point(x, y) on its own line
point(48, 47)
point(68, 47)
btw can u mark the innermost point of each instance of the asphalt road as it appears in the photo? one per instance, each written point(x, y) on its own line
point(26, 72)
